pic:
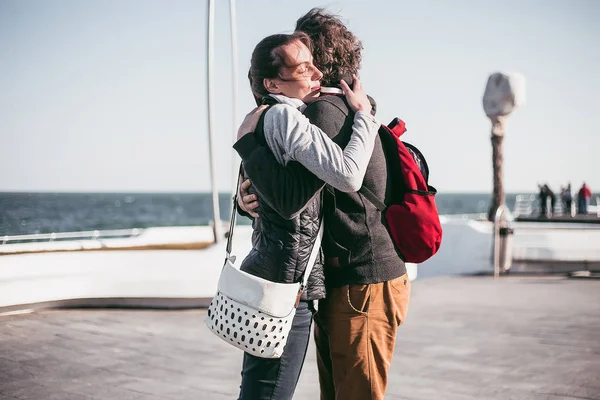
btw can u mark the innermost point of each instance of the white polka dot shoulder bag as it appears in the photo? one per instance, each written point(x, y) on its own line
point(251, 313)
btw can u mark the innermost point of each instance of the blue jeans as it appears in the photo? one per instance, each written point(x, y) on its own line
point(276, 378)
point(582, 206)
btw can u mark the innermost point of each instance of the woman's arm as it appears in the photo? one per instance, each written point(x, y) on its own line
point(291, 135)
point(286, 189)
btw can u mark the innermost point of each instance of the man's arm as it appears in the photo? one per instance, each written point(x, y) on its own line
point(246, 202)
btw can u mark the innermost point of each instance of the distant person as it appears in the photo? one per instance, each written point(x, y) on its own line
point(583, 199)
point(550, 194)
point(567, 199)
point(543, 196)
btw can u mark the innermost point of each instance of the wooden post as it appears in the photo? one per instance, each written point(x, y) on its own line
point(498, 197)
point(503, 93)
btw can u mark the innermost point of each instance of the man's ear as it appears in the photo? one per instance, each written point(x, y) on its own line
point(271, 86)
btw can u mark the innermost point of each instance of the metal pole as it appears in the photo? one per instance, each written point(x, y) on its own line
point(217, 226)
point(234, 89)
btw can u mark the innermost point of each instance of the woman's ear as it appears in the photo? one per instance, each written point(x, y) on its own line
point(271, 86)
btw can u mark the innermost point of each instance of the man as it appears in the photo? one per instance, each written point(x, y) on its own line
point(583, 199)
point(550, 194)
point(543, 196)
point(368, 289)
point(567, 199)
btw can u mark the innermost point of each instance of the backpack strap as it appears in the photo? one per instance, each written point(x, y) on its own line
point(380, 205)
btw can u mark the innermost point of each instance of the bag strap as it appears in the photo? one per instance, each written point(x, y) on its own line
point(233, 214)
point(313, 255)
point(372, 198)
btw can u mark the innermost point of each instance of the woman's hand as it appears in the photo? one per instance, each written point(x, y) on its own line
point(250, 121)
point(357, 98)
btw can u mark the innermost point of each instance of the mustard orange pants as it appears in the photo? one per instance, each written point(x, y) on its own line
point(355, 335)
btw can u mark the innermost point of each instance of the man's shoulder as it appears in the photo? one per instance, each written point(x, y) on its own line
point(338, 103)
point(329, 103)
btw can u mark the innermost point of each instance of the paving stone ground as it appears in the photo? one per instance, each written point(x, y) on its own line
point(465, 338)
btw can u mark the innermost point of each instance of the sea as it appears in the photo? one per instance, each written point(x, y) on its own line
point(31, 213)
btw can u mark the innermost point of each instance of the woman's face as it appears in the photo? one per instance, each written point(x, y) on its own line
point(298, 78)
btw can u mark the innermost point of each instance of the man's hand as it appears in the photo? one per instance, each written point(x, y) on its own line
point(247, 202)
point(357, 98)
point(250, 121)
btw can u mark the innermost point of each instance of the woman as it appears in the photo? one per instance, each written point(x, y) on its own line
point(282, 71)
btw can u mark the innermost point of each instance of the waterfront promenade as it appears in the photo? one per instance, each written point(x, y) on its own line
point(465, 338)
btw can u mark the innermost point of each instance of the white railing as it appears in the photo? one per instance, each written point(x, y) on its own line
point(463, 217)
point(91, 235)
point(596, 209)
point(524, 205)
point(527, 205)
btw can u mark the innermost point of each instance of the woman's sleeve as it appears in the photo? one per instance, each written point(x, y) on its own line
point(291, 134)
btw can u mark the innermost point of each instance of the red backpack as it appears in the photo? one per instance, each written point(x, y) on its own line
point(411, 218)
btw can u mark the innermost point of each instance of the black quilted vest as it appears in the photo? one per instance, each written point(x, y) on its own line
point(281, 247)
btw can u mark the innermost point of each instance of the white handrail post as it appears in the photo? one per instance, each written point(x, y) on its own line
point(234, 92)
point(234, 82)
point(217, 226)
point(499, 212)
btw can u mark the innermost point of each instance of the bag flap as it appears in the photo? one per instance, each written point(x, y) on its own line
point(275, 299)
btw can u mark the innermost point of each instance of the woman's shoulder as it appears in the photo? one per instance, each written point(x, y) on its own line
point(282, 110)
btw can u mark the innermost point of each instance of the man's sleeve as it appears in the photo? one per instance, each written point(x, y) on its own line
point(242, 212)
point(286, 189)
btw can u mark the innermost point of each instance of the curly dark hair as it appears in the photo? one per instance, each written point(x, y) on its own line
point(336, 51)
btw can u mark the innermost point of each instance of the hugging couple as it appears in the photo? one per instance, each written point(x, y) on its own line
point(304, 160)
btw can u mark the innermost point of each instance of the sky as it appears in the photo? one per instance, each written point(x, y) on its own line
point(111, 95)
